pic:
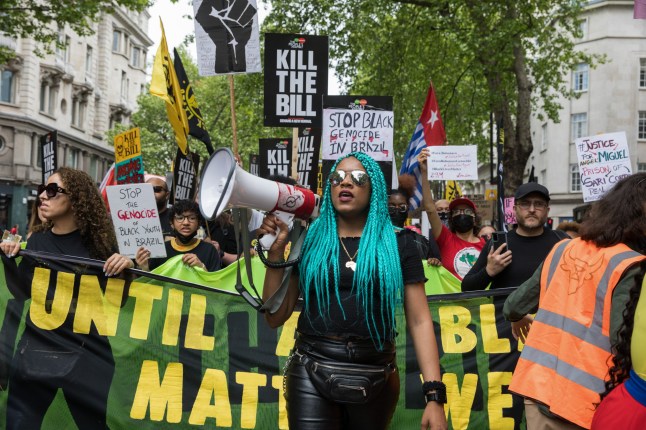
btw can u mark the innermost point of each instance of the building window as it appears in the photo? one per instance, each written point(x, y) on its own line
point(580, 78)
point(88, 60)
point(641, 167)
point(544, 136)
point(641, 126)
point(63, 48)
point(48, 95)
point(642, 73)
point(7, 80)
point(579, 125)
point(135, 57)
point(73, 157)
point(79, 107)
point(575, 179)
point(94, 168)
point(124, 86)
point(583, 28)
point(116, 41)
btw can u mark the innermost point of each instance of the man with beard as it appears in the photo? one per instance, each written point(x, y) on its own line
point(529, 244)
point(162, 194)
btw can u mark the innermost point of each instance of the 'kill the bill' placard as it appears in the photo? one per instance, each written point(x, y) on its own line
point(296, 75)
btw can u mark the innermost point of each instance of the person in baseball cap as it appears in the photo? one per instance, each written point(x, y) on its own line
point(531, 187)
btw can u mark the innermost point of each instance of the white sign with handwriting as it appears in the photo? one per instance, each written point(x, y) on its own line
point(603, 161)
point(448, 162)
point(135, 218)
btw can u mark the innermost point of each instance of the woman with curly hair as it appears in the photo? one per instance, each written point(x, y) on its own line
point(353, 276)
point(62, 357)
point(623, 404)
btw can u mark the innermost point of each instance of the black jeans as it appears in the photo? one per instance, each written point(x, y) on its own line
point(307, 409)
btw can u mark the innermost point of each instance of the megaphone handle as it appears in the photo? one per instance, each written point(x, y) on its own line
point(268, 239)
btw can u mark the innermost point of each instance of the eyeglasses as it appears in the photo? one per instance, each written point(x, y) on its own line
point(526, 204)
point(159, 189)
point(398, 208)
point(359, 177)
point(467, 211)
point(51, 189)
point(181, 218)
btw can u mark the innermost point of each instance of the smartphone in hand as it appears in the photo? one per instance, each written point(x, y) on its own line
point(498, 238)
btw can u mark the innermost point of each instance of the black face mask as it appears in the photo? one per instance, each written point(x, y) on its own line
point(398, 218)
point(463, 223)
point(184, 240)
point(444, 217)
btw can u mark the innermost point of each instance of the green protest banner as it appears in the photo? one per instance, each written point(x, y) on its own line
point(181, 356)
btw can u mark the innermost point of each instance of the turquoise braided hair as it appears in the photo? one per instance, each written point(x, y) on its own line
point(378, 271)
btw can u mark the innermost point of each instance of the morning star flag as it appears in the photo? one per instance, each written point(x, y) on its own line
point(429, 132)
point(196, 127)
point(164, 84)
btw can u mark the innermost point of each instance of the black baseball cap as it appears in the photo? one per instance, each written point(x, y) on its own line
point(529, 188)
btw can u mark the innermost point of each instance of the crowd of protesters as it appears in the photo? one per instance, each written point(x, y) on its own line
point(577, 307)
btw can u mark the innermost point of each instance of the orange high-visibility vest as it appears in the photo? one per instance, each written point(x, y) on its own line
point(564, 362)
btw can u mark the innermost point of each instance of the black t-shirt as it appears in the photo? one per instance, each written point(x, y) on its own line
point(68, 244)
point(225, 236)
point(355, 325)
point(527, 252)
point(204, 251)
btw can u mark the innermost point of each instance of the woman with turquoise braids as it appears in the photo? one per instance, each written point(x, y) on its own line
point(353, 277)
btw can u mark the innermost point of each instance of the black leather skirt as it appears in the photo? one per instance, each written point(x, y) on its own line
point(309, 409)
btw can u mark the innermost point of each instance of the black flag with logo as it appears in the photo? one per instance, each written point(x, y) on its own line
point(196, 126)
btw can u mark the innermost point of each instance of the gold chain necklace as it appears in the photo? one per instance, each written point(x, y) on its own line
point(350, 264)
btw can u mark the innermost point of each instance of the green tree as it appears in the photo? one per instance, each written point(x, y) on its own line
point(40, 20)
point(213, 97)
point(491, 56)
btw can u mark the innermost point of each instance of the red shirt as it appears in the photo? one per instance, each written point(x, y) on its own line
point(458, 255)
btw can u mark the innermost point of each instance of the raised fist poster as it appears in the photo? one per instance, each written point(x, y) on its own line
point(227, 36)
point(296, 74)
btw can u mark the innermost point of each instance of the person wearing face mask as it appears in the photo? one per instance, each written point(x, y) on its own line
point(185, 220)
point(398, 211)
point(458, 243)
point(442, 208)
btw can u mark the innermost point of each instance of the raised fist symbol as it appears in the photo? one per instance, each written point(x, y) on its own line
point(228, 23)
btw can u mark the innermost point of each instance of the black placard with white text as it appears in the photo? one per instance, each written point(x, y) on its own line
point(296, 75)
point(274, 157)
point(185, 176)
point(49, 160)
point(309, 148)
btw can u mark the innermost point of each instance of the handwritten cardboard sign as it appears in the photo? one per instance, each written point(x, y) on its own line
point(453, 163)
point(603, 161)
point(129, 164)
point(135, 218)
point(510, 214)
point(359, 126)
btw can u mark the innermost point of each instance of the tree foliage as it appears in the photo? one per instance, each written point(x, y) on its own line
point(490, 56)
point(41, 20)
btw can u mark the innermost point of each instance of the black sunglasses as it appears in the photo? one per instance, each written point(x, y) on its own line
point(359, 177)
point(159, 189)
point(51, 189)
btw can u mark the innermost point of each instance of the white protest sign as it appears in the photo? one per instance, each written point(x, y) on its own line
point(449, 162)
point(350, 130)
point(603, 161)
point(135, 218)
